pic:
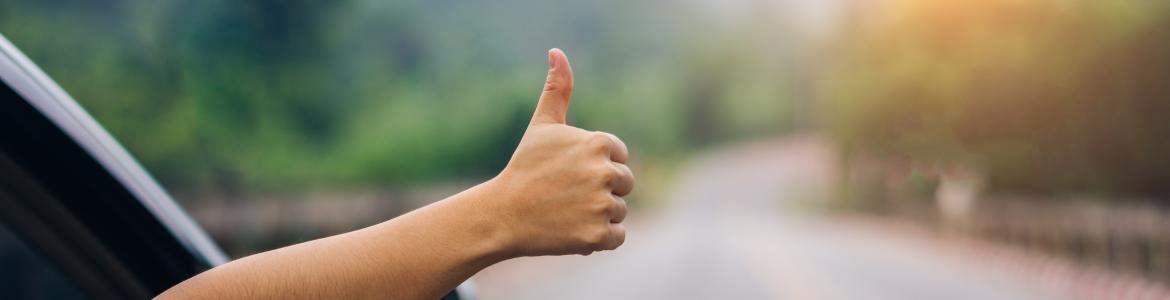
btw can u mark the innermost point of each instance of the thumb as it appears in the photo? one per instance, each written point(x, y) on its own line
point(558, 87)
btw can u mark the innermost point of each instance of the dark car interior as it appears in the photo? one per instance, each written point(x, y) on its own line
point(58, 200)
point(79, 219)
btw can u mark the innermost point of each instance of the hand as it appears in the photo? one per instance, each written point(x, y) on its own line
point(561, 193)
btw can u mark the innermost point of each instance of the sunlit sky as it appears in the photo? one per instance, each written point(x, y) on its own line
point(812, 17)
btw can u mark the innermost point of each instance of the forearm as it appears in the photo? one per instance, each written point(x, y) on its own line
point(420, 255)
point(561, 193)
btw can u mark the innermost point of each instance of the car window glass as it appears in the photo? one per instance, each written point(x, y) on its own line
point(25, 274)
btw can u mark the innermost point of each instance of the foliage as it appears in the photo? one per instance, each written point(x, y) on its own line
point(1047, 96)
point(235, 95)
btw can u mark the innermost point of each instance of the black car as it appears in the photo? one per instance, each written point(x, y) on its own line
point(79, 217)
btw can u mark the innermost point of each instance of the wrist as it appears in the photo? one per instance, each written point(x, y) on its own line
point(485, 226)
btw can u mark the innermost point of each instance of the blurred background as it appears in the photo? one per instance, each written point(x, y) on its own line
point(808, 149)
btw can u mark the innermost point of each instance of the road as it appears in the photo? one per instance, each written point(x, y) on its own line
point(734, 228)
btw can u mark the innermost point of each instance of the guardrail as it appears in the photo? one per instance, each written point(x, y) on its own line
point(1126, 235)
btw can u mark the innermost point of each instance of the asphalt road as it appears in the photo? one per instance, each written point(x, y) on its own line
point(734, 228)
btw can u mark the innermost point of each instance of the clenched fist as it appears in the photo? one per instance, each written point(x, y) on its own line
point(561, 193)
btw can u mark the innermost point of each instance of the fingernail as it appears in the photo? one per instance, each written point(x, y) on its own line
point(552, 63)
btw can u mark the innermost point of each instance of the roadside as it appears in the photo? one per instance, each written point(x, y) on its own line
point(744, 221)
point(735, 227)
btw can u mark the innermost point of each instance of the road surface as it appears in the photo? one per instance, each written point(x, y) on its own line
point(734, 228)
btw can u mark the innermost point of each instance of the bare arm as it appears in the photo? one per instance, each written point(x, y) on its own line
point(560, 194)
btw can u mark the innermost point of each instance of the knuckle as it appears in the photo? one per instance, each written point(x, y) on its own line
point(624, 171)
point(617, 243)
point(615, 138)
point(619, 204)
point(627, 180)
point(609, 173)
point(558, 85)
point(602, 208)
point(552, 84)
point(599, 140)
point(594, 239)
point(619, 238)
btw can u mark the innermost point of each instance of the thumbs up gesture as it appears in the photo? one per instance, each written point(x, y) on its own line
point(562, 190)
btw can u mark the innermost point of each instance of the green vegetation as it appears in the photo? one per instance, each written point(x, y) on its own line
point(227, 95)
point(1042, 96)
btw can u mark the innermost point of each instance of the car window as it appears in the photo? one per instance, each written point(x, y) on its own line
point(28, 275)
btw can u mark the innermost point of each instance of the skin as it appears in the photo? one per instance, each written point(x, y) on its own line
point(559, 194)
